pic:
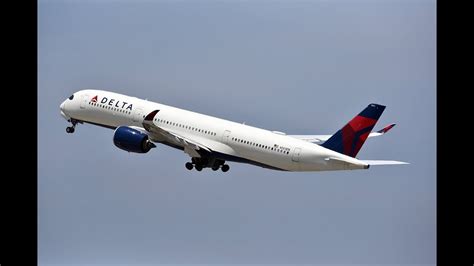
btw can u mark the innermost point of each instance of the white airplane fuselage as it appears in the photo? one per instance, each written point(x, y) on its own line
point(228, 141)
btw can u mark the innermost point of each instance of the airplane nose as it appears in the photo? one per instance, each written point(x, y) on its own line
point(63, 110)
point(62, 106)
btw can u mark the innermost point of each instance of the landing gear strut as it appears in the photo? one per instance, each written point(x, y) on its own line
point(73, 127)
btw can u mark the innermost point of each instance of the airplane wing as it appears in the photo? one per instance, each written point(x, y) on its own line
point(320, 139)
point(157, 133)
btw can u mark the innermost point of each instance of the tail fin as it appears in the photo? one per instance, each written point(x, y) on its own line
point(352, 136)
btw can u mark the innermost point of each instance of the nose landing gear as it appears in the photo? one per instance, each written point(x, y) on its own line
point(73, 127)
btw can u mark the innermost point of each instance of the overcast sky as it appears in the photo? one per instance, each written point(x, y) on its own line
point(297, 67)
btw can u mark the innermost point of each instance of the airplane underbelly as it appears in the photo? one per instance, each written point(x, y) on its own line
point(277, 161)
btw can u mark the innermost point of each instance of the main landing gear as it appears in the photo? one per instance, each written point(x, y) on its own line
point(225, 168)
point(71, 128)
point(200, 163)
point(189, 166)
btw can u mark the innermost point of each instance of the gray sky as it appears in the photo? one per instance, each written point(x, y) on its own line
point(297, 67)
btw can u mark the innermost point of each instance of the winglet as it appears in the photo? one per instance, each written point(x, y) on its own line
point(386, 129)
point(151, 115)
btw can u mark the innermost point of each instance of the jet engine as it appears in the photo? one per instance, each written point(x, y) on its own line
point(132, 140)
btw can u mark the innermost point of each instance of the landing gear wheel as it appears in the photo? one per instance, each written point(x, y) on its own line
point(225, 168)
point(70, 129)
point(215, 168)
point(189, 166)
point(198, 167)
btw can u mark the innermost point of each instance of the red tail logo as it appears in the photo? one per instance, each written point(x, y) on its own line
point(352, 136)
point(94, 99)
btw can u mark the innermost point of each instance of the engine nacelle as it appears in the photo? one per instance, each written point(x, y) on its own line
point(132, 140)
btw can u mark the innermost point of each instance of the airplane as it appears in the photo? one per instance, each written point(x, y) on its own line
point(211, 142)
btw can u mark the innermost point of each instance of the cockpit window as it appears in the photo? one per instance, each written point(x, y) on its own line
point(71, 97)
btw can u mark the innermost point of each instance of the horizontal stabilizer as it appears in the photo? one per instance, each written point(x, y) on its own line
point(382, 131)
point(382, 162)
point(320, 139)
point(386, 129)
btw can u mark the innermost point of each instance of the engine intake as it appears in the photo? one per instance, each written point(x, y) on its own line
point(132, 140)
